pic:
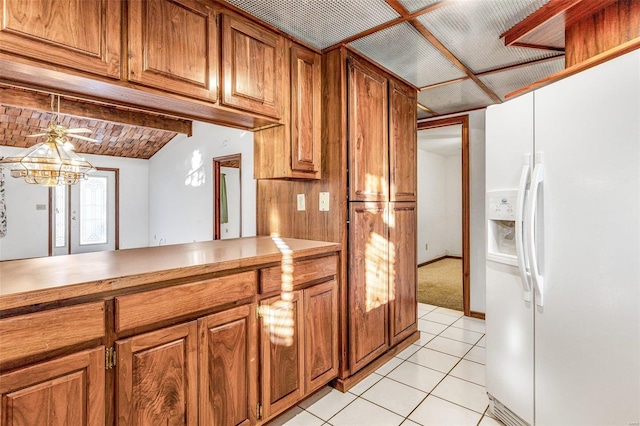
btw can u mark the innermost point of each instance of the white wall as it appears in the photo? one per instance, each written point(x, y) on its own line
point(439, 206)
point(453, 205)
point(476, 207)
point(181, 194)
point(28, 228)
point(231, 229)
point(431, 199)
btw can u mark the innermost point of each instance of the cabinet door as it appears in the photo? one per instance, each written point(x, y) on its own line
point(368, 134)
point(173, 46)
point(157, 377)
point(402, 271)
point(64, 391)
point(282, 345)
point(305, 110)
point(368, 283)
point(252, 67)
point(228, 367)
point(320, 334)
point(402, 143)
point(82, 35)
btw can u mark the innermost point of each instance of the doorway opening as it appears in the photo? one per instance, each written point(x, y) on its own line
point(84, 217)
point(447, 142)
point(227, 197)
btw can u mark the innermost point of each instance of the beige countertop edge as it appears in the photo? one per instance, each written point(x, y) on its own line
point(58, 291)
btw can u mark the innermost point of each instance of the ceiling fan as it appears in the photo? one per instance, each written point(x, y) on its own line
point(58, 132)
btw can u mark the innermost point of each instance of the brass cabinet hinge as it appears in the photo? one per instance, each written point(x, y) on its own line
point(259, 411)
point(109, 358)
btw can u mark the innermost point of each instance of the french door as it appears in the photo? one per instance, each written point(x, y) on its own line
point(84, 215)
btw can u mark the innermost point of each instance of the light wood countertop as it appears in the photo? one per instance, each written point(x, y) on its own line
point(49, 279)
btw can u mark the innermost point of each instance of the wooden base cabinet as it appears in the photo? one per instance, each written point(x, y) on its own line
point(157, 377)
point(65, 391)
point(228, 367)
point(299, 345)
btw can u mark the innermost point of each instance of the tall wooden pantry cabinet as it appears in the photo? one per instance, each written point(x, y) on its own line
point(369, 172)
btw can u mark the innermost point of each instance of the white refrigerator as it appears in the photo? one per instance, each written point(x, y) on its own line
point(563, 251)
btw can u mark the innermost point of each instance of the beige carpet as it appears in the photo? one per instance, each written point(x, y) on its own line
point(440, 284)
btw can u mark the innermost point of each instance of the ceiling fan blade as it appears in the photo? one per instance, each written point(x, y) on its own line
point(84, 138)
point(36, 135)
point(78, 130)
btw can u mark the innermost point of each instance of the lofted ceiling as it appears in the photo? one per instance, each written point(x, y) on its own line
point(451, 49)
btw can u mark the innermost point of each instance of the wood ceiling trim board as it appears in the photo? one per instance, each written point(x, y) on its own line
point(620, 50)
point(536, 19)
point(520, 65)
point(38, 101)
point(404, 18)
point(425, 109)
point(537, 46)
point(398, 7)
point(438, 45)
point(444, 83)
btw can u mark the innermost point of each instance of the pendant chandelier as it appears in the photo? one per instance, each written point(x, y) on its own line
point(53, 162)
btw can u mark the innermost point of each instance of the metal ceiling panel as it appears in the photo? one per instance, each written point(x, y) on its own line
point(321, 23)
point(471, 31)
point(507, 81)
point(460, 96)
point(404, 51)
point(414, 5)
point(423, 114)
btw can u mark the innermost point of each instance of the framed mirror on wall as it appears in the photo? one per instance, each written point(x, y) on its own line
point(227, 204)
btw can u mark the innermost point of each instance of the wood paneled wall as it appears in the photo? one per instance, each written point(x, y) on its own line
point(612, 26)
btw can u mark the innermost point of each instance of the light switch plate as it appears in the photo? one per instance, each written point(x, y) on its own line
point(301, 203)
point(324, 201)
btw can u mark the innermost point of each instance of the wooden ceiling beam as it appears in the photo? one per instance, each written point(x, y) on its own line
point(403, 18)
point(521, 65)
point(10, 96)
point(536, 19)
point(438, 45)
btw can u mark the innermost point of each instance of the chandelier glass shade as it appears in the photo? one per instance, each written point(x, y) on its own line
point(49, 163)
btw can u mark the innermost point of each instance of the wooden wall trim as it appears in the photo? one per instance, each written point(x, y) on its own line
point(479, 315)
point(225, 161)
point(437, 259)
point(466, 248)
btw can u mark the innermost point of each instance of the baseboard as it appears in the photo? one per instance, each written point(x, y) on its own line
point(428, 262)
point(479, 315)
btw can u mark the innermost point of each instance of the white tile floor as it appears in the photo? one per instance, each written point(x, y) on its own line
point(439, 380)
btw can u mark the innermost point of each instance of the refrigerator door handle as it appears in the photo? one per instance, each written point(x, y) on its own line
point(521, 249)
point(538, 280)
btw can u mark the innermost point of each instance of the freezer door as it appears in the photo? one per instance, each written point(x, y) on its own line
point(587, 360)
point(509, 318)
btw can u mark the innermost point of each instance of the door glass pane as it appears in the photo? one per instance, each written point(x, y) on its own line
point(93, 210)
point(60, 216)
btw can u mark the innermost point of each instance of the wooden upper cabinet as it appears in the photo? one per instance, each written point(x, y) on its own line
point(173, 46)
point(157, 377)
point(305, 111)
point(402, 271)
point(368, 134)
point(79, 35)
point(65, 391)
point(368, 283)
point(402, 142)
point(228, 367)
point(252, 67)
point(293, 150)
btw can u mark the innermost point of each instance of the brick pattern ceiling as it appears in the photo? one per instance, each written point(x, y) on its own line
point(117, 140)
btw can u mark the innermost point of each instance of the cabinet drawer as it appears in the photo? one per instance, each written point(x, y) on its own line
point(46, 331)
point(304, 271)
point(136, 310)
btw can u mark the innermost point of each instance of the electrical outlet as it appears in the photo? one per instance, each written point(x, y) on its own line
point(301, 203)
point(324, 201)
